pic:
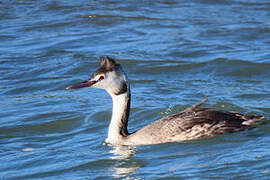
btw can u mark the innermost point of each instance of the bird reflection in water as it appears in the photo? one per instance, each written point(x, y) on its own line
point(124, 163)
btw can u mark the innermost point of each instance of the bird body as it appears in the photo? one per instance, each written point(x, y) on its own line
point(192, 123)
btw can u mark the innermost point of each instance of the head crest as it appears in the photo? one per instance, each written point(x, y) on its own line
point(107, 63)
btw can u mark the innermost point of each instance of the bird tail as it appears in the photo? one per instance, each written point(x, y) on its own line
point(252, 120)
point(248, 120)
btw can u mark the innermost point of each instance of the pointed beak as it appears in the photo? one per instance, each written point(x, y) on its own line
point(85, 84)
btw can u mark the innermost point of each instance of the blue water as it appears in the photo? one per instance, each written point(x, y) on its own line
point(174, 52)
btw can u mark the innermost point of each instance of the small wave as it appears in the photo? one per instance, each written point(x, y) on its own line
point(218, 67)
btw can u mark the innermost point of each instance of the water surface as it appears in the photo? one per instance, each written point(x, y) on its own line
point(175, 53)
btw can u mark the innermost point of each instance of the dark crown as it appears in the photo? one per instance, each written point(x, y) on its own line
point(107, 63)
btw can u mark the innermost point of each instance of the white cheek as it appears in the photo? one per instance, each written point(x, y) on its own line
point(100, 84)
point(109, 84)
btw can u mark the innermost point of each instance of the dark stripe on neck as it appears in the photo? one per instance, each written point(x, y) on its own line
point(124, 119)
point(123, 89)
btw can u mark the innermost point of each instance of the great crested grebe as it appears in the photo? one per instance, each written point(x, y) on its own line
point(192, 123)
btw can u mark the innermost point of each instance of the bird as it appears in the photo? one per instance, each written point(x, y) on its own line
point(190, 124)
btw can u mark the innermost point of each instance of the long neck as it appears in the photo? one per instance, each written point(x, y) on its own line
point(120, 114)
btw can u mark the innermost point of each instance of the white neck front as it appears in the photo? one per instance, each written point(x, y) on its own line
point(119, 120)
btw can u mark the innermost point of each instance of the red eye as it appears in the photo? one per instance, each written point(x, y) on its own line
point(101, 78)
